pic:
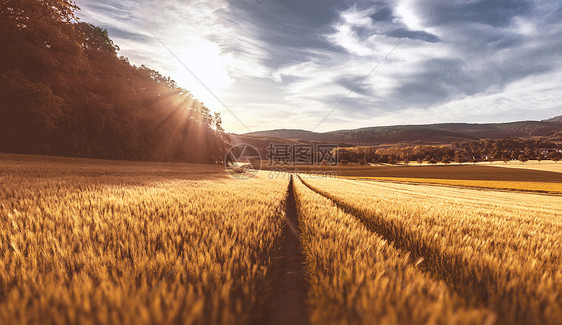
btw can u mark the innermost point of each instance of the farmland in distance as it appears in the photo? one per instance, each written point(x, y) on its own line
point(545, 178)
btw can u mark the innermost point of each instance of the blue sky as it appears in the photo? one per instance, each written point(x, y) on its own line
point(287, 63)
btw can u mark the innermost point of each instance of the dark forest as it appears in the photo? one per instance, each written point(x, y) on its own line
point(66, 91)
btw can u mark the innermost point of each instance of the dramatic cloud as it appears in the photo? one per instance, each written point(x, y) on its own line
point(286, 64)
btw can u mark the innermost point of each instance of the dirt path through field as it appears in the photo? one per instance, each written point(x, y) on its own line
point(289, 291)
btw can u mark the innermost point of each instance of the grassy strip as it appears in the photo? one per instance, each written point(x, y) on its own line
point(541, 187)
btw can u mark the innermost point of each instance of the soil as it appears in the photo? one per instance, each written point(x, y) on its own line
point(288, 304)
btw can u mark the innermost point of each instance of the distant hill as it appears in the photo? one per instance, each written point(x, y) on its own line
point(261, 143)
point(554, 119)
point(423, 134)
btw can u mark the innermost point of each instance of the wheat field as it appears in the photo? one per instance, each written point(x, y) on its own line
point(358, 277)
point(528, 186)
point(113, 242)
point(159, 243)
point(496, 249)
point(545, 165)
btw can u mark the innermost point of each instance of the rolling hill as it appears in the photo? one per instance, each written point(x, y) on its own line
point(423, 134)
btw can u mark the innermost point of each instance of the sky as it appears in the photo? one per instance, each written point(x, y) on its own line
point(327, 65)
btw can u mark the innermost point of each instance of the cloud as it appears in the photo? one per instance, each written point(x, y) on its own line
point(491, 47)
point(286, 64)
point(497, 13)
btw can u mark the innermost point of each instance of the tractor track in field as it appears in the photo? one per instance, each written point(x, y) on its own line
point(288, 303)
point(451, 269)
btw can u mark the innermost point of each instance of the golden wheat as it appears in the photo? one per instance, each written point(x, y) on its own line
point(555, 188)
point(357, 277)
point(497, 249)
point(545, 165)
point(96, 242)
point(134, 243)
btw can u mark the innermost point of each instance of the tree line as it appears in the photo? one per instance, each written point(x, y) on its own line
point(66, 91)
point(460, 152)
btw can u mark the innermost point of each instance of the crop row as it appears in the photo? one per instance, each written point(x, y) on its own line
point(491, 253)
point(355, 276)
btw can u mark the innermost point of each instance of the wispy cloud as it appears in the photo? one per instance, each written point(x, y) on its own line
point(285, 64)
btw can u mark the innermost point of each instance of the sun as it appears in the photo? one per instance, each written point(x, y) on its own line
point(208, 68)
